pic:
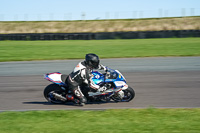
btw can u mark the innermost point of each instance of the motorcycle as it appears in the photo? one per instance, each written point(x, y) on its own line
point(113, 81)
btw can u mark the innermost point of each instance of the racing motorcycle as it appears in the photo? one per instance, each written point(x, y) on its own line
point(113, 81)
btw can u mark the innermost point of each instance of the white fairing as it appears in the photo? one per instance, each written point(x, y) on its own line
point(120, 74)
point(55, 77)
point(121, 84)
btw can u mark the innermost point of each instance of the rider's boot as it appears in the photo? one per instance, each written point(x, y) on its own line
point(80, 102)
point(83, 101)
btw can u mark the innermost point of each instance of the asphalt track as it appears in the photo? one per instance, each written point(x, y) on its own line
point(170, 82)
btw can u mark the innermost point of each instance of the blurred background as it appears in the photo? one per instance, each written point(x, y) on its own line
point(77, 16)
point(65, 10)
point(101, 15)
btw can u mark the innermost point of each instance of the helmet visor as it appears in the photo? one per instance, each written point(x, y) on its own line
point(95, 64)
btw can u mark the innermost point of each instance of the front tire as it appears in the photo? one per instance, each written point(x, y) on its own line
point(53, 88)
point(129, 94)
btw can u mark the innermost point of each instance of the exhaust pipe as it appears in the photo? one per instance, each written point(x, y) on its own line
point(59, 97)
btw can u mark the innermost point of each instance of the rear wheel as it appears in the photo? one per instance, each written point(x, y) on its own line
point(48, 93)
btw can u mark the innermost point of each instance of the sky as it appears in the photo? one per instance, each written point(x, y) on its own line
point(41, 10)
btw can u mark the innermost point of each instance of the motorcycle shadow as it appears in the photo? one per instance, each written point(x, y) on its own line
point(68, 103)
point(50, 104)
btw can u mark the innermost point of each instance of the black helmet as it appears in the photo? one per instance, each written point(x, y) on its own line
point(92, 60)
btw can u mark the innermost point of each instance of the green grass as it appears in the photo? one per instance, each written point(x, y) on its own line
point(76, 49)
point(109, 121)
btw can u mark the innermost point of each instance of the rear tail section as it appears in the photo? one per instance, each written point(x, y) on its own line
point(55, 77)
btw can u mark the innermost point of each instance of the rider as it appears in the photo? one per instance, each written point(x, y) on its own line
point(82, 74)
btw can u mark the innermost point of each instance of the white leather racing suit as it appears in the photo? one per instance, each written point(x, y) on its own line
point(81, 74)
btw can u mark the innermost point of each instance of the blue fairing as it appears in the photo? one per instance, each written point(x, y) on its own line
point(99, 78)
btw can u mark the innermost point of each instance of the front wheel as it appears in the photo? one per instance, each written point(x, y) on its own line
point(128, 95)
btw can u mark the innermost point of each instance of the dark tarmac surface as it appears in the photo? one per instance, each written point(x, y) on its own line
point(170, 82)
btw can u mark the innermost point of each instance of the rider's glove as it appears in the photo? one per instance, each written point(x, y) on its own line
point(101, 89)
point(102, 67)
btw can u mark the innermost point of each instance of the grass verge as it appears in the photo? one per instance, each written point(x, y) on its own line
point(118, 25)
point(149, 120)
point(76, 49)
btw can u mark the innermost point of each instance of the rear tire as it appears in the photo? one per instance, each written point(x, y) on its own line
point(53, 88)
